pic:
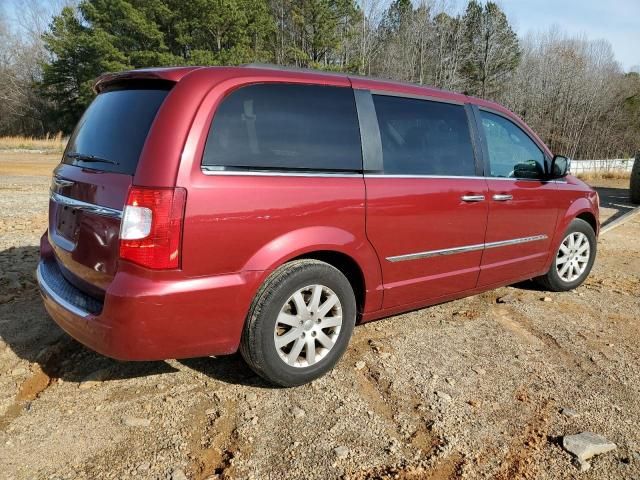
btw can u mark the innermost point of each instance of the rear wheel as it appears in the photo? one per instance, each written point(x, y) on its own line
point(574, 258)
point(300, 323)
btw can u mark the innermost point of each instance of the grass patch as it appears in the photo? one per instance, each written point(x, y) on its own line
point(604, 175)
point(49, 143)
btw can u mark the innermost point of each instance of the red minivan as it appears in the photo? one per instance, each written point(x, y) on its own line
point(204, 210)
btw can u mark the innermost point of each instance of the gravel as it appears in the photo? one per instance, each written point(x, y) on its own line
point(569, 412)
point(178, 475)
point(341, 452)
point(297, 412)
point(505, 373)
point(136, 422)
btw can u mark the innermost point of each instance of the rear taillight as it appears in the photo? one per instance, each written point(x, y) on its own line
point(151, 227)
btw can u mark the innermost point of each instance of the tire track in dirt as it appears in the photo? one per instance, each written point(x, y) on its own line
point(521, 459)
point(521, 326)
point(214, 442)
point(378, 392)
point(30, 389)
point(37, 383)
point(449, 468)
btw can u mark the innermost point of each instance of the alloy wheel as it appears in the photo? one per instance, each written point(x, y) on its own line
point(573, 256)
point(308, 326)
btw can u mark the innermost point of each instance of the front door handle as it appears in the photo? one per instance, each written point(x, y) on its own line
point(472, 198)
point(502, 197)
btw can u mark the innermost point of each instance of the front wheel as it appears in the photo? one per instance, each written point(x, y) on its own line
point(574, 258)
point(300, 323)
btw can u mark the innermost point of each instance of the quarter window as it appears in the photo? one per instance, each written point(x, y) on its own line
point(285, 127)
point(421, 137)
point(512, 153)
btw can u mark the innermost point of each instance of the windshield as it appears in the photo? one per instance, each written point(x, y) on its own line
point(112, 131)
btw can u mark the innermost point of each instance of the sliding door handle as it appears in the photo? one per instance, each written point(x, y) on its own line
point(502, 197)
point(472, 198)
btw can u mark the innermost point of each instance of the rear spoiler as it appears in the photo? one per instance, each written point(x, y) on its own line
point(168, 76)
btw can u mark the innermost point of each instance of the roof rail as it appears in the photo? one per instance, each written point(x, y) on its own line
point(288, 68)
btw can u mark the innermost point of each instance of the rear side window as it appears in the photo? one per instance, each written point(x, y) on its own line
point(285, 127)
point(421, 137)
point(113, 130)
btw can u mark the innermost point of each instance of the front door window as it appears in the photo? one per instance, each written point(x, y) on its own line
point(512, 154)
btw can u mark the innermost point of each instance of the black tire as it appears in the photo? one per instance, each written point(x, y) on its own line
point(257, 345)
point(634, 184)
point(552, 280)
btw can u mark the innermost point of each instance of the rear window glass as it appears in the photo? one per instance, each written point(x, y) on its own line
point(113, 130)
point(421, 137)
point(285, 127)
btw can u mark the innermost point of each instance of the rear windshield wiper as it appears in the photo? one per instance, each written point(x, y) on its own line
point(90, 158)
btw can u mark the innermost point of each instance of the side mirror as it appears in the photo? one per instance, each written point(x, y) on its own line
point(527, 170)
point(560, 166)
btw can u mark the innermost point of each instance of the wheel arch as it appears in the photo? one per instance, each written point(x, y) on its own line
point(348, 267)
point(354, 257)
point(590, 218)
point(581, 209)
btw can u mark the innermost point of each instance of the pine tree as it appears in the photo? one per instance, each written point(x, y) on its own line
point(491, 49)
point(399, 54)
point(397, 16)
point(222, 32)
point(78, 55)
point(111, 35)
point(447, 51)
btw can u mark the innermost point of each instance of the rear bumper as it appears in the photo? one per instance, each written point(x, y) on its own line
point(144, 317)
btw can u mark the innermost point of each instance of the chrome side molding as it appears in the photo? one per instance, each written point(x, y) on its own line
point(88, 207)
point(515, 241)
point(465, 248)
point(436, 253)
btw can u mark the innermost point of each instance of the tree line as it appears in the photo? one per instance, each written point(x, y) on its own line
point(569, 89)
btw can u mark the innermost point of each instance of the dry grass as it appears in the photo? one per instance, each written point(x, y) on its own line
point(29, 163)
point(604, 175)
point(50, 143)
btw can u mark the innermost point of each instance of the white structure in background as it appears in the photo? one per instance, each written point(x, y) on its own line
point(586, 166)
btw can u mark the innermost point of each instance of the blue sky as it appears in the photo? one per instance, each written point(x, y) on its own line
point(617, 21)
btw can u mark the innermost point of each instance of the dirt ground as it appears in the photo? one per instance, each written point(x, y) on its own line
point(468, 389)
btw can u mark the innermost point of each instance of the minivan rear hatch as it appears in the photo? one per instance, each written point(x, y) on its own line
point(89, 188)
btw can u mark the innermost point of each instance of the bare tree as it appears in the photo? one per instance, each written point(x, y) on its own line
point(568, 89)
point(22, 54)
point(368, 40)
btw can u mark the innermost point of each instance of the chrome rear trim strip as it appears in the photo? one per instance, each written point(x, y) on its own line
point(367, 175)
point(48, 292)
point(88, 207)
point(261, 173)
point(464, 249)
point(399, 175)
